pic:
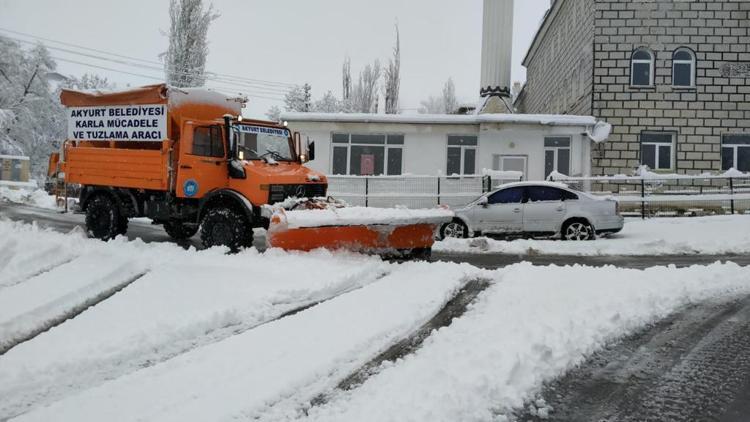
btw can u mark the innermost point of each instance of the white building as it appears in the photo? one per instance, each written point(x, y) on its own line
point(379, 144)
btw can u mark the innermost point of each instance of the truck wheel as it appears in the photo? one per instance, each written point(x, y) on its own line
point(178, 230)
point(122, 225)
point(103, 218)
point(225, 227)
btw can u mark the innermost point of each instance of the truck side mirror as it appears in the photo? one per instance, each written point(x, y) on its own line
point(311, 151)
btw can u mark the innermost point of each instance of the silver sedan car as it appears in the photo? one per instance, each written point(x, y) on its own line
point(536, 209)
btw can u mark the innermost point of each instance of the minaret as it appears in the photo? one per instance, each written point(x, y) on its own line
point(497, 46)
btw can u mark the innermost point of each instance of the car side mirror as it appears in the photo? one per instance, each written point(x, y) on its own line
point(483, 201)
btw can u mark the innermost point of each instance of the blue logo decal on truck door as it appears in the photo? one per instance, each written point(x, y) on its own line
point(190, 188)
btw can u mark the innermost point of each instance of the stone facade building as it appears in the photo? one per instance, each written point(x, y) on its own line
point(671, 76)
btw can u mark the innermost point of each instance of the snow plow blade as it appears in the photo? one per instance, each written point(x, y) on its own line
point(397, 232)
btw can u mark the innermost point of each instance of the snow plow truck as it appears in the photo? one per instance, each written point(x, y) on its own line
point(186, 159)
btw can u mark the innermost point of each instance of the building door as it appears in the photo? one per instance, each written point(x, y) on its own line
point(511, 163)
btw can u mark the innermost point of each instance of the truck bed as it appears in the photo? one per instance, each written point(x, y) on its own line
point(117, 167)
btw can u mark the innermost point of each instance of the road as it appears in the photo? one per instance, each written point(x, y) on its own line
point(693, 365)
point(141, 228)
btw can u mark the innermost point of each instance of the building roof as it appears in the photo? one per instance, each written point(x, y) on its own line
point(542, 31)
point(446, 119)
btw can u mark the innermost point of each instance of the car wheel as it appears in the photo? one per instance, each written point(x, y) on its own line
point(578, 230)
point(455, 229)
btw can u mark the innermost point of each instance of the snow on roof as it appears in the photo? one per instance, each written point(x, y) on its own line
point(456, 119)
point(179, 96)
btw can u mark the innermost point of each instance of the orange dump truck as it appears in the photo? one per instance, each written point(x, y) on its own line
point(187, 160)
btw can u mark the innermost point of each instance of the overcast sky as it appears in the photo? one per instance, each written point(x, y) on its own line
point(287, 41)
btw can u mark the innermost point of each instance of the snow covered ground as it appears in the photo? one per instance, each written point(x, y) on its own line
point(656, 236)
point(203, 336)
point(38, 198)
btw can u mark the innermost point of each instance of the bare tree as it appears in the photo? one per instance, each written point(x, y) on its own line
point(432, 105)
point(274, 114)
point(299, 99)
point(327, 104)
point(346, 79)
point(450, 104)
point(365, 93)
point(393, 78)
point(185, 60)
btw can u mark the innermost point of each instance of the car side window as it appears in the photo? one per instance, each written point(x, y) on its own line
point(545, 193)
point(507, 196)
point(207, 142)
point(568, 195)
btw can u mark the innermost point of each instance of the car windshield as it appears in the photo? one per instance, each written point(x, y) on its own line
point(257, 142)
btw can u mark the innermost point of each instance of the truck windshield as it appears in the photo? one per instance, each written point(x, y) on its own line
point(256, 142)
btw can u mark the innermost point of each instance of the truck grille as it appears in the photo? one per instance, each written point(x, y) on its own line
point(279, 193)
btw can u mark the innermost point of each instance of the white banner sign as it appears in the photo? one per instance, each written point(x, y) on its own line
point(118, 123)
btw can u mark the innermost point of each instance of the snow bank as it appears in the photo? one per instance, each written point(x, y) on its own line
point(658, 236)
point(26, 250)
point(187, 299)
point(354, 216)
point(38, 198)
point(531, 326)
point(288, 360)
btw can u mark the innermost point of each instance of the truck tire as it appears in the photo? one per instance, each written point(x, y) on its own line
point(103, 219)
point(178, 230)
point(225, 227)
point(122, 225)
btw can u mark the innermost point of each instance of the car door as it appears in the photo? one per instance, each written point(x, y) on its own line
point(203, 163)
point(544, 209)
point(503, 212)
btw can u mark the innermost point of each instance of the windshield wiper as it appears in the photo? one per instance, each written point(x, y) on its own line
point(275, 154)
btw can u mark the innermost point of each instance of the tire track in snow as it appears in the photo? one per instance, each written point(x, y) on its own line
point(70, 314)
point(454, 308)
point(39, 272)
point(692, 365)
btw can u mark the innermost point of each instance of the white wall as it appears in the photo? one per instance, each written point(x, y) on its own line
point(425, 145)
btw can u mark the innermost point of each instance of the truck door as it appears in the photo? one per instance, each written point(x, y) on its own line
point(203, 160)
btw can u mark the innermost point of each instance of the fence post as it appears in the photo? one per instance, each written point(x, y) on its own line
point(643, 196)
point(731, 192)
point(367, 191)
point(438, 190)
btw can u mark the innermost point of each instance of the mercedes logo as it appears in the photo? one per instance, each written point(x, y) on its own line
point(300, 193)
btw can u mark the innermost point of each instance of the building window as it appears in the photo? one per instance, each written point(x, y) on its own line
point(683, 68)
point(642, 68)
point(367, 154)
point(657, 150)
point(735, 151)
point(556, 155)
point(462, 154)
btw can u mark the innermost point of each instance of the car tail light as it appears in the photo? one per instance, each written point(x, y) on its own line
point(617, 207)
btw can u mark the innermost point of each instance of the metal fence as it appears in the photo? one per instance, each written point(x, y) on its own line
point(410, 191)
point(670, 195)
point(652, 196)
